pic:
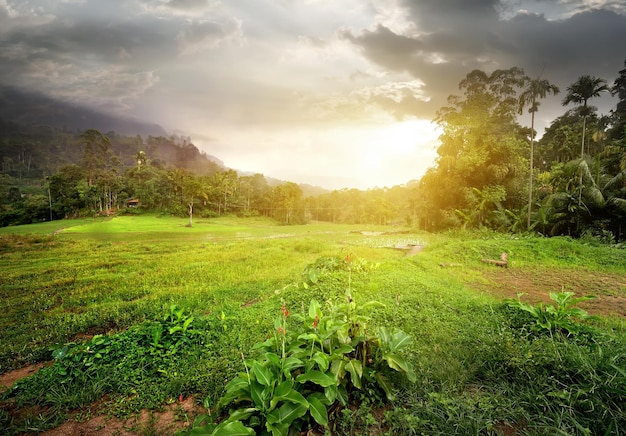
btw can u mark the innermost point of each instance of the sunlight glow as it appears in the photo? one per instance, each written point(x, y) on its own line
point(389, 152)
point(361, 156)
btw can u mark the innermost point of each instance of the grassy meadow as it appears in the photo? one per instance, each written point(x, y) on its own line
point(108, 286)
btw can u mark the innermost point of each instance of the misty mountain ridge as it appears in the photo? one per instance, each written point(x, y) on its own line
point(37, 120)
point(30, 109)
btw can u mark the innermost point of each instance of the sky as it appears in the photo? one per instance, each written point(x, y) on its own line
point(334, 93)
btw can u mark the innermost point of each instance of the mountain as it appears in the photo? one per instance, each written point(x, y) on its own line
point(42, 124)
point(30, 109)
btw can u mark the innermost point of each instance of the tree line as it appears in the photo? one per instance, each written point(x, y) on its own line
point(49, 174)
point(162, 176)
point(490, 172)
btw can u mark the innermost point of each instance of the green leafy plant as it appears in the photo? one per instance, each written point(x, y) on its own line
point(173, 331)
point(160, 338)
point(137, 368)
point(305, 372)
point(324, 265)
point(555, 317)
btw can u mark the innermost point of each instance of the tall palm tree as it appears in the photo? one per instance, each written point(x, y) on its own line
point(534, 90)
point(583, 89)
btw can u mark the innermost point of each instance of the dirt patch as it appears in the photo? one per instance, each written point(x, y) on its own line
point(8, 379)
point(175, 417)
point(538, 283)
point(168, 421)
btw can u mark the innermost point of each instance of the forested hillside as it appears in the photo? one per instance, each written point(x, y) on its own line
point(50, 174)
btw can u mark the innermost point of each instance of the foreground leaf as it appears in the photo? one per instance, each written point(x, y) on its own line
point(317, 377)
point(232, 429)
point(318, 409)
point(287, 413)
point(355, 368)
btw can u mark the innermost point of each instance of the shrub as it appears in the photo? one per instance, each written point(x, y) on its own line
point(309, 369)
point(559, 317)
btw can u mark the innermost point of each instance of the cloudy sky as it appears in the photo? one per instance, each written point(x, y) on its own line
point(337, 93)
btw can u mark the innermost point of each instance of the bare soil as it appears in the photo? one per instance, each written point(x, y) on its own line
point(7, 380)
point(173, 418)
point(166, 422)
point(537, 283)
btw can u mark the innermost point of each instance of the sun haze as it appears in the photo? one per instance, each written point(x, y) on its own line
point(338, 94)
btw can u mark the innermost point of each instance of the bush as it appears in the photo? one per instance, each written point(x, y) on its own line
point(305, 373)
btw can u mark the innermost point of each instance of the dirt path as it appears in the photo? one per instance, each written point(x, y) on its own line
point(7, 380)
point(538, 283)
point(173, 418)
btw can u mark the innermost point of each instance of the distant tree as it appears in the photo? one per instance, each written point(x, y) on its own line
point(225, 190)
point(287, 203)
point(619, 114)
point(534, 90)
point(581, 91)
point(560, 142)
point(141, 159)
point(194, 190)
point(36, 208)
point(151, 185)
point(96, 152)
point(253, 190)
point(11, 203)
point(67, 200)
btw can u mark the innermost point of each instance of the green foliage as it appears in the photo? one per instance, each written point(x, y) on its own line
point(305, 371)
point(555, 317)
point(329, 264)
point(481, 160)
point(553, 384)
point(145, 362)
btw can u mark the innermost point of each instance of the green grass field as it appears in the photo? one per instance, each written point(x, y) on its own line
point(480, 367)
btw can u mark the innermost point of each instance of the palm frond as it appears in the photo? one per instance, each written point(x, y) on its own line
point(619, 203)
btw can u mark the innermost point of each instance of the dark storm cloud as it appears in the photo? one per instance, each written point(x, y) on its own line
point(85, 62)
point(456, 36)
point(386, 47)
point(435, 15)
point(208, 34)
point(86, 53)
point(413, 55)
point(189, 4)
point(586, 43)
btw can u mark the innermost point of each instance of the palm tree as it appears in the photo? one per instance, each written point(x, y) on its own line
point(581, 91)
point(535, 89)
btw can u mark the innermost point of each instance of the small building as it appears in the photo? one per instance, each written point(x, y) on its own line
point(133, 202)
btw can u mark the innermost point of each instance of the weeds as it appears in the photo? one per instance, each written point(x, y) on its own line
point(142, 363)
point(555, 317)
